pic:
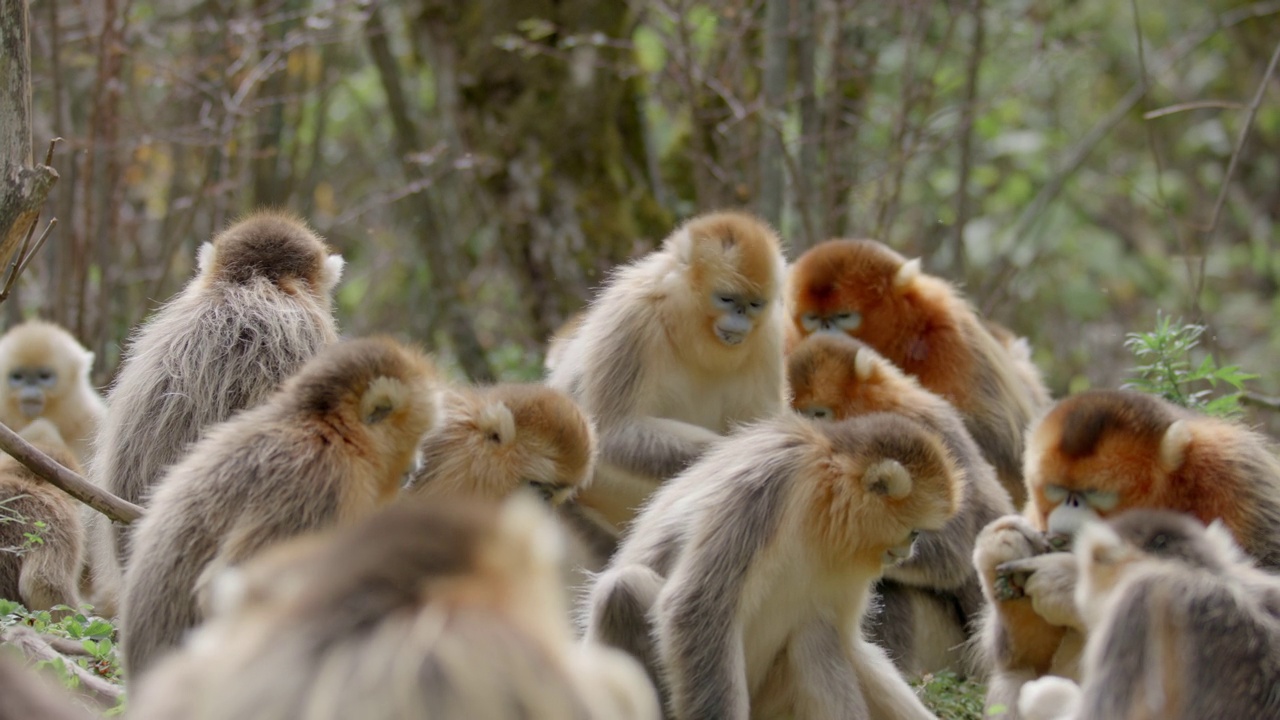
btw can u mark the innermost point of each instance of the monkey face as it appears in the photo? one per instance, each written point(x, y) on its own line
point(833, 377)
point(30, 385)
point(735, 315)
point(838, 286)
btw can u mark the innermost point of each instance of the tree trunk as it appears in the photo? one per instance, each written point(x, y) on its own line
point(25, 185)
point(772, 114)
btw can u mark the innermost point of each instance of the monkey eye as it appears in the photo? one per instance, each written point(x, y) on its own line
point(817, 412)
point(45, 376)
point(724, 301)
point(15, 376)
point(1055, 493)
point(546, 490)
point(1102, 500)
point(757, 304)
point(810, 322)
point(849, 320)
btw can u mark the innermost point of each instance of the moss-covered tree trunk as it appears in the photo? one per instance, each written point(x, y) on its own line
point(548, 95)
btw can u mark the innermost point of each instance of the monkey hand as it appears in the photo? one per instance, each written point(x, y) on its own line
point(1005, 539)
point(1050, 581)
point(1049, 698)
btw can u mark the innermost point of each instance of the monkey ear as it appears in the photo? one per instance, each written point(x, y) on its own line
point(1174, 444)
point(382, 396)
point(887, 477)
point(497, 423)
point(204, 258)
point(332, 272)
point(863, 363)
point(907, 274)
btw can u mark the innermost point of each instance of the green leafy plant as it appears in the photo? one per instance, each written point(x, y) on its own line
point(950, 697)
point(32, 537)
point(96, 635)
point(1166, 369)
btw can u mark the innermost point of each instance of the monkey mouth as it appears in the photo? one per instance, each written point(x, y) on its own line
point(730, 338)
point(31, 408)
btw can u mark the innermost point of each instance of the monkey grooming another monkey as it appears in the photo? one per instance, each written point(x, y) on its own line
point(1092, 456)
point(678, 348)
point(743, 582)
point(327, 449)
point(443, 609)
point(1181, 626)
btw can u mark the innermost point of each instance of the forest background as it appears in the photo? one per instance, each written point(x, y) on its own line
point(1074, 166)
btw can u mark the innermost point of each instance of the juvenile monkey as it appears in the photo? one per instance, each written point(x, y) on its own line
point(1181, 625)
point(1094, 455)
point(257, 309)
point(923, 325)
point(328, 448)
point(743, 582)
point(928, 602)
point(444, 610)
point(47, 573)
point(46, 374)
point(677, 349)
point(492, 441)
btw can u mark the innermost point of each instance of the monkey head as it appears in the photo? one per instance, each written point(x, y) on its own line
point(883, 480)
point(857, 287)
point(492, 441)
point(276, 247)
point(40, 363)
point(728, 268)
point(377, 394)
point(833, 377)
point(1108, 552)
point(1100, 452)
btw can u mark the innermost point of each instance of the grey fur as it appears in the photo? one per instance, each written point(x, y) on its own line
point(304, 460)
point(731, 527)
point(217, 347)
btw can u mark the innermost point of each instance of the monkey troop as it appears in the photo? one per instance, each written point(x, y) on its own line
point(922, 324)
point(332, 530)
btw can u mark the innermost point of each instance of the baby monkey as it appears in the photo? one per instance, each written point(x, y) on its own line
point(1181, 625)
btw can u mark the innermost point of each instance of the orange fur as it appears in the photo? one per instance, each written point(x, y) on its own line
point(924, 326)
point(1112, 441)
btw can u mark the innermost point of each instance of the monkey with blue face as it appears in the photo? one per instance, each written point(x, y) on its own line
point(679, 348)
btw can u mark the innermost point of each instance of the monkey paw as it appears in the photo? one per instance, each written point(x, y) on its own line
point(1050, 581)
point(1049, 698)
point(1005, 539)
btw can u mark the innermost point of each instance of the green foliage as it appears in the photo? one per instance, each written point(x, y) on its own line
point(96, 635)
point(1166, 369)
point(950, 697)
point(30, 538)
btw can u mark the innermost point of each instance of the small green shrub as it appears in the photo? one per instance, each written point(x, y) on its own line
point(1166, 369)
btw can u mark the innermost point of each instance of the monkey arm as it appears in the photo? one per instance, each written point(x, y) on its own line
point(824, 673)
point(652, 446)
point(698, 623)
point(888, 696)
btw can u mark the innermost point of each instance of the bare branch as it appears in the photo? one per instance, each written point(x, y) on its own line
point(1261, 401)
point(1235, 159)
point(1193, 105)
point(60, 477)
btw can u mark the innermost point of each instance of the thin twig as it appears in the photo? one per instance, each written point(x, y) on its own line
point(1261, 401)
point(1231, 165)
point(49, 470)
point(53, 222)
point(1193, 105)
